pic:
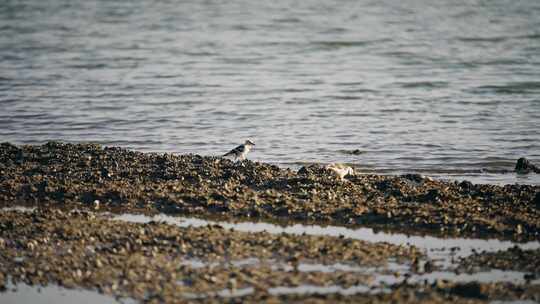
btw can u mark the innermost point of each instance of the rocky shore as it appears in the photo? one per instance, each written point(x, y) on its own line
point(73, 235)
point(91, 177)
point(159, 263)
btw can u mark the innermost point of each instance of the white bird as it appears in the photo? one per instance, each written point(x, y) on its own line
point(340, 170)
point(240, 152)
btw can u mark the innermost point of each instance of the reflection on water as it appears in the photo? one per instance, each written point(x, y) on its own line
point(314, 289)
point(225, 293)
point(409, 85)
point(391, 274)
point(287, 290)
point(52, 294)
point(442, 250)
point(492, 276)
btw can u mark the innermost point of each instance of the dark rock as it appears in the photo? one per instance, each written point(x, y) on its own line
point(413, 177)
point(428, 266)
point(313, 169)
point(469, 290)
point(352, 152)
point(384, 185)
point(466, 185)
point(303, 171)
point(524, 166)
point(536, 200)
point(431, 196)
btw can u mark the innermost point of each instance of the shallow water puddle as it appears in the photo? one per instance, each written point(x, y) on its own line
point(376, 287)
point(194, 263)
point(19, 208)
point(225, 293)
point(53, 294)
point(314, 289)
point(302, 267)
point(442, 251)
point(514, 302)
point(492, 276)
point(289, 290)
point(393, 273)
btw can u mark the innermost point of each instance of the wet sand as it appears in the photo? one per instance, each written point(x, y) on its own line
point(83, 232)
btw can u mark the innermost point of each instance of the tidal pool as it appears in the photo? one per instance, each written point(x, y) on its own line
point(443, 251)
point(53, 294)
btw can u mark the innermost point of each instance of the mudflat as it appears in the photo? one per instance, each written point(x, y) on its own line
point(90, 176)
point(72, 232)
point(156, 262)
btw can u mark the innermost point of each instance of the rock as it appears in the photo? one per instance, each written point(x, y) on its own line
point(313, 169)
point(469, 290)
point(536, 200)
point(352, 152)
point(431, 196)
point(428, 266)
point(80, 175)
point(303, 171)
point(466, 185)
point(413, 177)
point(524, 166)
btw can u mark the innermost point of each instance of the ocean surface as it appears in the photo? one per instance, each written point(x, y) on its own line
point(445, 88)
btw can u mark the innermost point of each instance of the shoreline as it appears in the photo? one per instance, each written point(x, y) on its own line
point(88, 176)
point(88, 230)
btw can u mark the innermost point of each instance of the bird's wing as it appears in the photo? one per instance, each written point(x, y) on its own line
point(237, 150)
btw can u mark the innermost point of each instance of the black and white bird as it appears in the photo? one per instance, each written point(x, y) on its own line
point(240, 152)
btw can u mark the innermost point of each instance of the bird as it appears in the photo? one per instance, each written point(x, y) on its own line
point(340, 170)
point(240, 152)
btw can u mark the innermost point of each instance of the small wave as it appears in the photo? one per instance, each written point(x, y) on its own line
point(90, 66)
point(531, 36)
point(200, 54)
point(287, 20)
point(483, 39)
point(296, 90)
point(334, 30)
point(352, 152)
point(341, 44)
point(343, 97)
point(358, 91)
point(161, 76)
point(497, 39)
point(423, 84)
point(523, 87)
point(502, 61)
point(347, 84)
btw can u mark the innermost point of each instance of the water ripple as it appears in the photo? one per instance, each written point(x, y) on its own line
point(409, 84)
